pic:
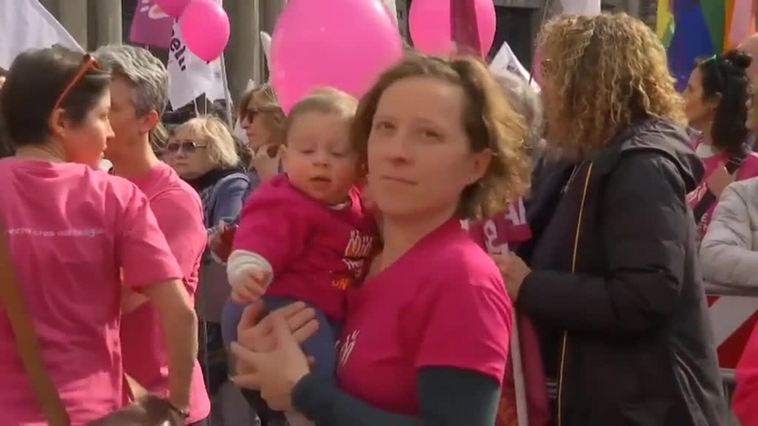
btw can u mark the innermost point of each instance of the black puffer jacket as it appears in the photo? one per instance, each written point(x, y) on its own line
point(615, 277)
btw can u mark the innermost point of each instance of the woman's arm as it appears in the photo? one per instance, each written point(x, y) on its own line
point(447, 396)
point(229, 199)
point(726, 253)
point(179, 326)
point(645, 229)
point(148, 267)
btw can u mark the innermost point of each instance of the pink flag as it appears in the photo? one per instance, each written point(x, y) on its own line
point(150, 25)
point(745, 401)
point(742, 22)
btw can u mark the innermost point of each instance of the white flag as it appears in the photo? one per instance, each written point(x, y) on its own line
point(581, 7)
point(190, 76)
point(266, 44)
point(391, 6)
point(506, 61)
point(26, 24)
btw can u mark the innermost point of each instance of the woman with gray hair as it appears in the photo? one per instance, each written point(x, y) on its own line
point(526, 101)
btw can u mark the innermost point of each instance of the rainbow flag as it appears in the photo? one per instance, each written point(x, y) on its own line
point(693, 29)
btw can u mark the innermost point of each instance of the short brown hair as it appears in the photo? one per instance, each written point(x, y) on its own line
point(36, 80)
point(489, 120)
point(325, 100)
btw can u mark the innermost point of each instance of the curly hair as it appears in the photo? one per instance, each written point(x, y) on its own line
point(489, 120)
point(725, 76)
point(601, 73)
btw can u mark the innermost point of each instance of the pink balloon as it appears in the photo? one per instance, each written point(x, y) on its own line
point(172, 7)
point(345, 44)
point(205, 28)
point(429, 24)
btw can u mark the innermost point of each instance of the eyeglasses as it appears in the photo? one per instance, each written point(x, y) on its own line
point(88, 62)
point(249, 114)
point(188, 147)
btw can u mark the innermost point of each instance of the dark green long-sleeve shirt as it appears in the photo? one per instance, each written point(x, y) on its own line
point(447, 396)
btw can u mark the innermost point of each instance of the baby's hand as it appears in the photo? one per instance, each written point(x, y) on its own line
point(250, 285)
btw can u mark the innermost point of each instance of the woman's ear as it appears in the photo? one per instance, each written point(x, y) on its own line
point(715, 101)
point(57, 123)
point(149, 121)
point(480, 165)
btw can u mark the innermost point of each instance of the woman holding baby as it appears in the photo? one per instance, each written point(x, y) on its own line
point(425, 335)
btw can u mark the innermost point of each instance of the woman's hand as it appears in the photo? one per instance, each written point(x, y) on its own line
point(274, 372)
point(719, 180)
point(514, 272)
point(255, 330)
point(266, 160)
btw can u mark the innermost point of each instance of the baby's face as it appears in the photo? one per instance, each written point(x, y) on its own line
point(319, 159)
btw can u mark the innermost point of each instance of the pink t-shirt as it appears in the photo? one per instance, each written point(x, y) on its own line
point(316, 251)
point(711, 161)
point(71, 230)
point(179, 212)
point(443, 304)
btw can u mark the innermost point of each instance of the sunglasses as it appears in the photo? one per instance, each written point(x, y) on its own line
point(188, 147)
point(249, 114)
point(88, 62)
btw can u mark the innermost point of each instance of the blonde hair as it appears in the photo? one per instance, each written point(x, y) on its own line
point(267, 103)
point(490, 122)
point(221, 146)
point(325, 100)
point(603, 72)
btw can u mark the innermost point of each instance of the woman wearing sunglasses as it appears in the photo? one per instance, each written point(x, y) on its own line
point(263, 120)
point(76, 237)
point(203, 153)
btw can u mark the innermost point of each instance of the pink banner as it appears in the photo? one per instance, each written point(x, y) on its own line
point(150, 26)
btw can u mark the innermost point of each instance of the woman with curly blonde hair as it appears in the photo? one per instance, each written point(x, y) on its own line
point(613, 281)
point(426, 335)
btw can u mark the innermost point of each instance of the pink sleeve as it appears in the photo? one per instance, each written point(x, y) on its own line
point(274, 226)
point(749, 168)
point(745, 401)
point(143, 253)
point(180, 218)
point(467, 326)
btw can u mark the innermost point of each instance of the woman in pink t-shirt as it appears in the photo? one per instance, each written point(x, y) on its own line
point(75, 234)
point(426, 335)
point(716, 97)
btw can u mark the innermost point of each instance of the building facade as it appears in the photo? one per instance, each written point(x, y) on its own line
point(97, 22)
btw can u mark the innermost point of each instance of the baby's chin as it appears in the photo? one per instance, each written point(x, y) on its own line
point(325, 197)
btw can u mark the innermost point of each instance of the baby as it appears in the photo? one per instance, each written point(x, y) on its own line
point(305, 235)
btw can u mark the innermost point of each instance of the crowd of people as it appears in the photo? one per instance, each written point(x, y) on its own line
point(362, 261)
